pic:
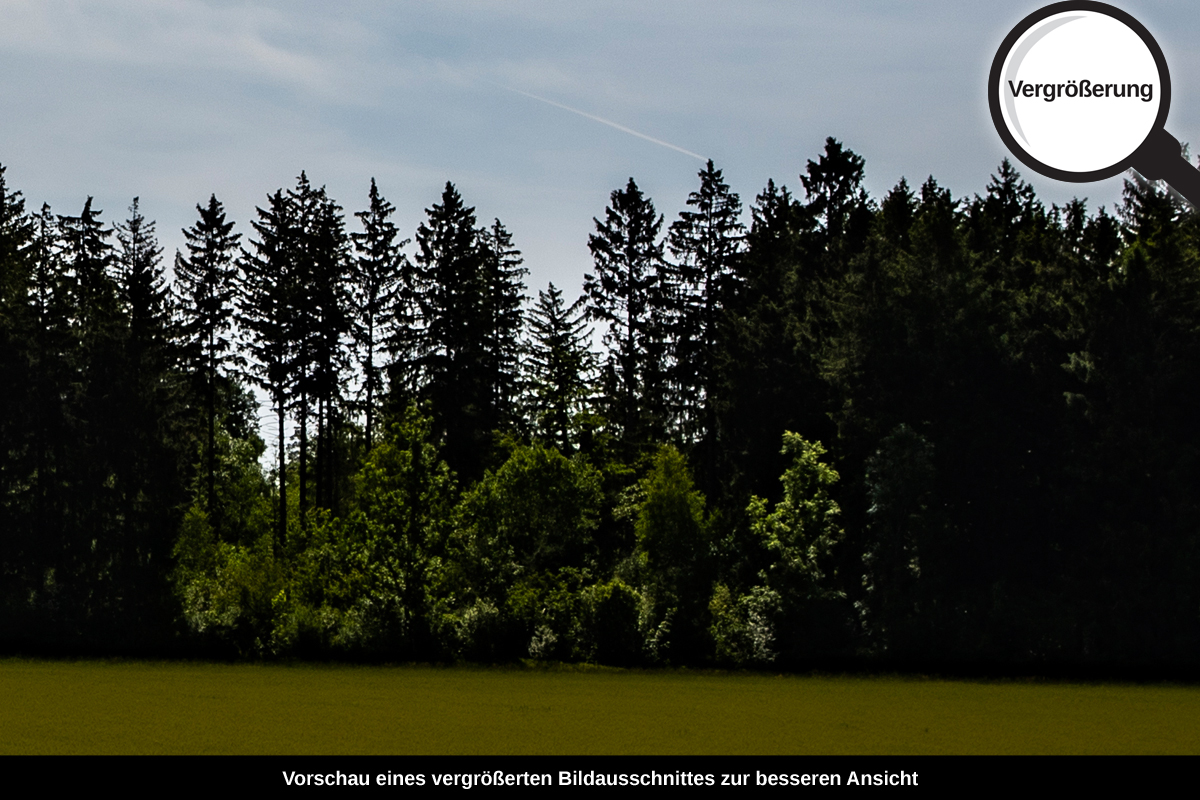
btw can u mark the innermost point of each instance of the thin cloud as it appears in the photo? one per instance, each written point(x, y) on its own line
point(607, 122)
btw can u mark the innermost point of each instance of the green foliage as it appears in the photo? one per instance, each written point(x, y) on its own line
point(538, 511)
point(226, 590)
point(242, 510)
point(354, 585)
point(799, 536)
point(405, 487)
point(803, 529)
point(551, 608)
point(900, 488)
point(348, 591)
point(614, 611)
point(671, 524)
point(742, 629)
point(522, 547)
point(673, 549)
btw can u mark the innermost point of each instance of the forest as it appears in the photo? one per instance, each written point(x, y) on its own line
point(895, 432)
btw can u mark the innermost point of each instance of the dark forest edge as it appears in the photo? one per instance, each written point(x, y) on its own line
point(910, 432)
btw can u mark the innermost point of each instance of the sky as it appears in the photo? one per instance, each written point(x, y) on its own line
point(535, 110)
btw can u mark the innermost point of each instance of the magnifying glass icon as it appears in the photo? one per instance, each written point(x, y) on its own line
point(1079, 91)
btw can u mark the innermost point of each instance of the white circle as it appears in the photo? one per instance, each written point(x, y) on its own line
point(1112, 76)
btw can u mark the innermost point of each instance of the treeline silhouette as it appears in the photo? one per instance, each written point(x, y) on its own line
point(912, 430)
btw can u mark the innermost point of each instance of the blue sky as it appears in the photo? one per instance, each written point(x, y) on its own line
point(172, 100)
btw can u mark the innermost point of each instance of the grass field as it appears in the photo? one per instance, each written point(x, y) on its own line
point(186, 708)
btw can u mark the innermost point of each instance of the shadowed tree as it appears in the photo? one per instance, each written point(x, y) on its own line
point(470, 293)
point(706, 243)
point(382, 292)
point(206, 283)
point(265, 311)
point(501, 324)
point(559, 368)
point(626, 294)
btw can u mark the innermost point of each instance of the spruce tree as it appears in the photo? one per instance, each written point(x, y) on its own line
point(448, 263)
point(470, 295)
point(206, 283)
point(267, 286)
point(95, 364)
point(706, 243)
point(627, 294)
point(382, 291)
point(321, 311)
point(501, 324)
point(17, 408)
point(559, 368)
point(150, 455)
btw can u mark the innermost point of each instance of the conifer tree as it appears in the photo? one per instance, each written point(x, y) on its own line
point(265, 314)
point(502, 321)
point(206, 281)
point(470, 295)
point(17, 334)
point(627, 295)
point(54, 385)
point(559, 367)
point(150, 457)
point(706, 243)
point(383, 293)
point(144, 290)
point(321, 310)
point(448, 261)
point(89, 474)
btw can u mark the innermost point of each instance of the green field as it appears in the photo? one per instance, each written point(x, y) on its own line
point(140, 707)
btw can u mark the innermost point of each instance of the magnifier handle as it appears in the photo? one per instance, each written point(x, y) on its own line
point(1159, 159)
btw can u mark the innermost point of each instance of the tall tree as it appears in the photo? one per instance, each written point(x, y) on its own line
point(321, 313)
point(501, 324)
point(206, 281)
point(265, 313)
point(470, 293)
point(382, 291)
point(706, 243)
point(151, 457)
point(54, 385)
point(559, 367)
point(17, 352)
point(143, 288)
point(96, 366)
point(627, 295)
point(448, 260)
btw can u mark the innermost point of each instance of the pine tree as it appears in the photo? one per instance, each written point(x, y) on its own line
point(706, 244)
point(559, 367)
point(383, 294)
point(265, 313)
point(322, 317)
point(206, 282)
point(470, 295)
point(627, 294)
point(448, 263)
point(17, 408)
point(502, 323)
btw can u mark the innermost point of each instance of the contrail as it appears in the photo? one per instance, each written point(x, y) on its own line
point(609, 123)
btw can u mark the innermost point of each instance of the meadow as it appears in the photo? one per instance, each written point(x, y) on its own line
point(125, 707)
